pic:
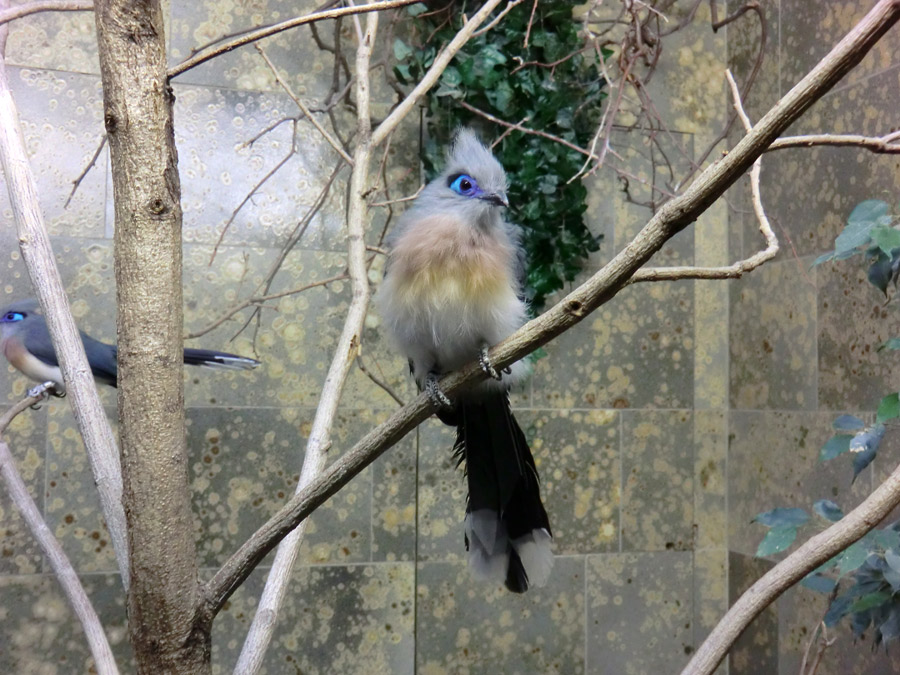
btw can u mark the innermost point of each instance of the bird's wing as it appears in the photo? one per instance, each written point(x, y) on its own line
point(101, 357)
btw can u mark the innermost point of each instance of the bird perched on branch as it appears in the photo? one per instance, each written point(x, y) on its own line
point(452, 287)
point(25, 342)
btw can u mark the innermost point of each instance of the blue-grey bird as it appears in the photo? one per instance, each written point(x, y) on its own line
point(452, 287)
point(25, 342)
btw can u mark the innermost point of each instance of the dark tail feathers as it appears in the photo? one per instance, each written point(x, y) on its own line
point(213, 359)
point(507, 530)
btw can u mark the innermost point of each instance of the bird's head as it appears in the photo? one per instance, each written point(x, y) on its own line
point(12, 317)
point(472, 184)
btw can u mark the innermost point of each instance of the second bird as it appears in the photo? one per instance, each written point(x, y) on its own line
point(25, 342)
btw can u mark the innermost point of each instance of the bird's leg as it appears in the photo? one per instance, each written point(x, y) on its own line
point(41, 392)
point(485, 362)
point(434, 393)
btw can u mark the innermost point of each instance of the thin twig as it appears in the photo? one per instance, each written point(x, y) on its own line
point(13, 13)
point(290, 92)
point(104, 662)
point(77, 182)
point(381, 383)
point(267, 31)
point(497, 19)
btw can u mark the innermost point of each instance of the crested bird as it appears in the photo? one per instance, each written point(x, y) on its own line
point(453, 286)
point(25, 342)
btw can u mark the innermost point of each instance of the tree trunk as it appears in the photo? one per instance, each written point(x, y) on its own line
point(164, 592)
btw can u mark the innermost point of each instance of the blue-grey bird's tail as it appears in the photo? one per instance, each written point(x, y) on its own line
point(507, 531)
point(214, 359)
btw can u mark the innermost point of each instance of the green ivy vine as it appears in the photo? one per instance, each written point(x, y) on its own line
point(553, 85)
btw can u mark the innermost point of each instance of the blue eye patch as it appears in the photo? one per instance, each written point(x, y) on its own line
point(10, 317)
point(465, 185)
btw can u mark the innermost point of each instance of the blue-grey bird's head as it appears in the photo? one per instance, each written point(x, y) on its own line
point(13, 317)
point(472, 184)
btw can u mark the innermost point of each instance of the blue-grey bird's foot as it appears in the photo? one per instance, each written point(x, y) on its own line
point(485, 362)
point(41, 392)
point(434, 393)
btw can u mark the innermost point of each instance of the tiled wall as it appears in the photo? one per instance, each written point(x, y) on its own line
point(671, 402)
point(803, 342)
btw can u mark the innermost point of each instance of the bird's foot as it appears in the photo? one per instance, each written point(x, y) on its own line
point(433, 392)
point(485, 362)
point(42, 391)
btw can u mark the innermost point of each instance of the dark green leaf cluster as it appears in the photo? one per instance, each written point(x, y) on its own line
point(497, 74)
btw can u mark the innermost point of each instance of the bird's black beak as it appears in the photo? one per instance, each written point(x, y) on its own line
point(497, 199)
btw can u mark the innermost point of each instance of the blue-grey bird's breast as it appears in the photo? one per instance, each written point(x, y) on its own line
point(451, 288)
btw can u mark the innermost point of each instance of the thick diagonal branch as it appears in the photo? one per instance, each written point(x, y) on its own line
point(669, 220)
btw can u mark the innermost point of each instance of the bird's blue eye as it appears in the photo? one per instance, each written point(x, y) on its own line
point(9, 317)
point(463, 185)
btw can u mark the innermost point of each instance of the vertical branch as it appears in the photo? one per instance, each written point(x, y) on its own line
point(34, 243)
point(345, 354)
point(137, 101)
point(62, 568)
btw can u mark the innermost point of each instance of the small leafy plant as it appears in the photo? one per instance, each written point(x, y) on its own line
point(548, 82)
point(864, 579)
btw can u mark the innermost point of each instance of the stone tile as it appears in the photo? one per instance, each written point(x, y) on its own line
point(466, 626)
point(773, 337)
point(40, 634)
point(62, 124)
point(61, 41)
point(743, 49)
point(756, 650)
point(244, 465)
point(72, 503)
point(637, 351)
point(197, 24)
point(773, 461)
point(710, 479)
point(854, 322)
point(808, 36)
point(658, 468)
point(394, 498)
point(577, 457)
point(639, 612)
point(688, 87)
point(27, 440)
point(219, 169)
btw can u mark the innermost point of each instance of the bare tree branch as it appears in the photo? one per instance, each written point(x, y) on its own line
point(267, 31)
point(345, 353)
point(671, 218)
point(38, 256)
point(62, 568)
point(13, 13)
point(889, 144)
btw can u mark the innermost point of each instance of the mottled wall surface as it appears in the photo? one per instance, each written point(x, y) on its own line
point(803, 342)
point(629, 415)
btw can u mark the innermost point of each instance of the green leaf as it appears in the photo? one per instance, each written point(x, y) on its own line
point(402, 51)
point(892, 345)
point(782, 517)
point(848, 423)
point(828, 510)
point(853, 557)
point(876, 599)
point(892, 559)
point(836, 445)
point(886, 238)
point(818, 583)
point(862, 220)
point(887, 539)
point(889, 408)
point(416, 9)
point(776, 540)
point(825, 257)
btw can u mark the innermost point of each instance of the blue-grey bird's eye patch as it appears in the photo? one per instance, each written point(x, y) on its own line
point(464, 185)
point(10, 317)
